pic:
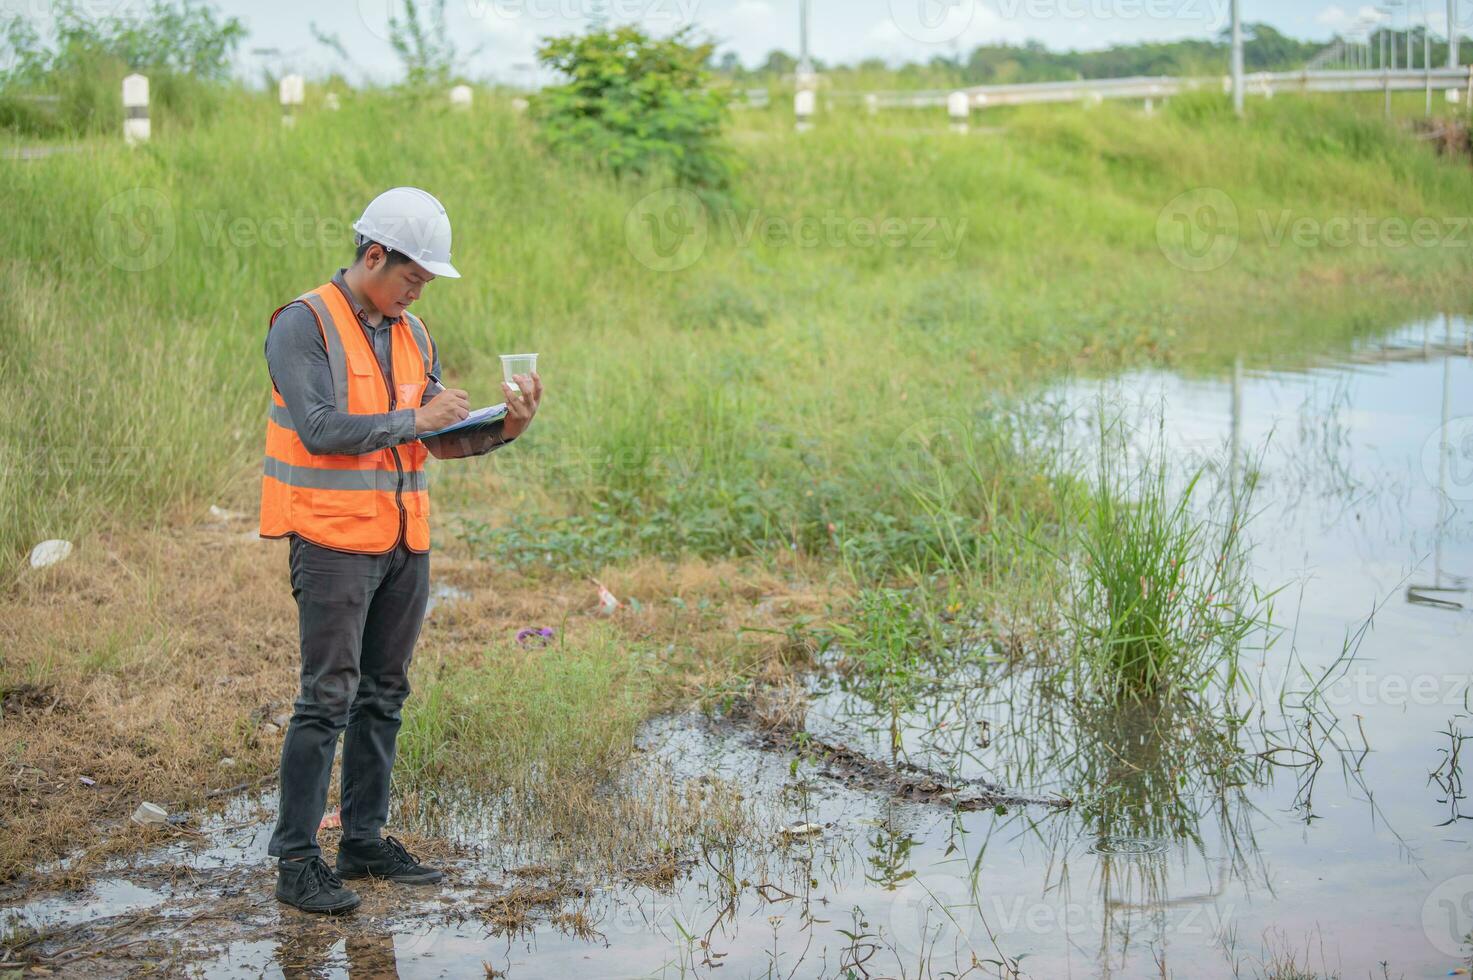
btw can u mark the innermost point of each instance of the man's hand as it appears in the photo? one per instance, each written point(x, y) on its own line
point(522, 405)
point(446, 408)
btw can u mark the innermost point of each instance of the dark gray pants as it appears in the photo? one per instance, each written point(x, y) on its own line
point(359, 617)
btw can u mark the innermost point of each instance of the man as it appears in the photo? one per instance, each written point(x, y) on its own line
point(355, 382)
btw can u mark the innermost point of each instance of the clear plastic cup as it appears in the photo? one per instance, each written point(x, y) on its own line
point(517, 364)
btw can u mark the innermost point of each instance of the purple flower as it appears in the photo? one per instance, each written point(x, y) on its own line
point(543, 633)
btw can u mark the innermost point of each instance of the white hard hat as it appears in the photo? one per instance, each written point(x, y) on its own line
point(413, 222)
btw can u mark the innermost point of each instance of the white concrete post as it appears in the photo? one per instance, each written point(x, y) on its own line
point(136, 127)
point(292, 89)
point(803, 105)
point(332, 101)
point(872, 104)
point(1150, 107)
point(460, 96)
point(959, 108)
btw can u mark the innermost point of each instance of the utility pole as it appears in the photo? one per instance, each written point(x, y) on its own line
point(805, 64)
point(1427, 58)
point(1452, 33)
point(1237, 59)
point(1411, 61)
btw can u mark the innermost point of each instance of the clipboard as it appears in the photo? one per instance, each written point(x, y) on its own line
point(476, 420)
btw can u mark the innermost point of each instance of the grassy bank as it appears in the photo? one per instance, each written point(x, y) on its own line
point(738, 403)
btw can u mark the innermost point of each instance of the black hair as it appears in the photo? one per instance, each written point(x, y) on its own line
point(394, 256)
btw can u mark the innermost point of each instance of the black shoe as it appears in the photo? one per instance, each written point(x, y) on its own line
point(384, 858)
point(310, 885)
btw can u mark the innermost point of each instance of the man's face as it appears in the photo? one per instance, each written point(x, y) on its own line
point(392, 288)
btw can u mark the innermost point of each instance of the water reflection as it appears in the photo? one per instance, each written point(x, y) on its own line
point(312, 955)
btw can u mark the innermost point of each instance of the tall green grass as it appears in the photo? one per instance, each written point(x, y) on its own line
point(752, 401)
point(1162, 603)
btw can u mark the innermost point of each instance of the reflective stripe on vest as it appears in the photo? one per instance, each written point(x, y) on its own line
point(351, 502)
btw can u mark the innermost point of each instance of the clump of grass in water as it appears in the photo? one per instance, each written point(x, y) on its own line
point(1161, 603)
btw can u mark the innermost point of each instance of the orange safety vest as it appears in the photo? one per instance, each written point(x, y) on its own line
point(361, 503)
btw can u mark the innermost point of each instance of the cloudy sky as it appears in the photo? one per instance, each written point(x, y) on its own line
point(503, 33)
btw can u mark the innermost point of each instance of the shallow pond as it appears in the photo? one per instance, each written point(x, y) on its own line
point(1335, 836)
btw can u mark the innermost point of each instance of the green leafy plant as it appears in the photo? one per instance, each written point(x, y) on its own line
point(885, 641)
point(636, 104)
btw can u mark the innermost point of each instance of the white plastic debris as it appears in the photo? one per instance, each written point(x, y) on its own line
point(227, 763)
point(801, 830)
point(221, 514)
point(50, 552)
point(150, 814)
point(607, 603)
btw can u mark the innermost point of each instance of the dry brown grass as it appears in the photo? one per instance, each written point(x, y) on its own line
point(145, 659)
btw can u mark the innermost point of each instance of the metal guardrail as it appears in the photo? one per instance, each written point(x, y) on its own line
point(1157, 87)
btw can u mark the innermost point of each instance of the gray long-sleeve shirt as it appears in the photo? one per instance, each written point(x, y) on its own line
point(296, 357)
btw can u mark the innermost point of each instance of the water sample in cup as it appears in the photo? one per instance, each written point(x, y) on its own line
point(517, 364)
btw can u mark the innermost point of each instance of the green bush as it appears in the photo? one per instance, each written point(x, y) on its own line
point(636, 104)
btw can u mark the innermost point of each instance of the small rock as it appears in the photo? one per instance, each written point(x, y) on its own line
point(269, 728)
point(50, 552)
point(227, 763)
point(281, 719)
